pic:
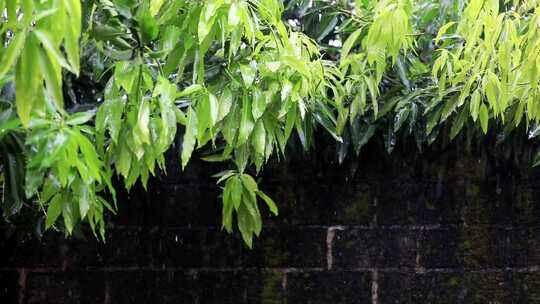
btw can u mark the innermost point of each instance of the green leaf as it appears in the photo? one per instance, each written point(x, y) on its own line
point(225, 103)
point(331, 22)
point(207, 19)
point(91, 158)
point(80, 118)
point(459, 122)
point(536, 159)
point(400, 118)
point(234, 15)
point(442, 31)
point(350, 42)
point(192, 89)
point(286, 90)
point(249, 183)
point(484, 118)
point(67, 214)
point(84, 200)
point(33, 179)
point(53, 78)
point(236, 192)
point(245, 225)
point(259, 137)
point(296, 64)
point(246, 122)
point(373, 91)
point(10, 55)
point(71, 41)
point(180, 116)
point(475, 105)
point(259, 104)
point(492, 91)
point(125, 75)
point(149, 27)
point(54, 210)
point(47, 41)
point(214, 108)
point(227, 208)
point(248, 74)
point(123, 160)
point(269, 202)
point(27, 81)
point(141, 130)
point(190, 137)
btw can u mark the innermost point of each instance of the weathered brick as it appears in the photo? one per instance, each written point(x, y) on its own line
point(151, 287)
point(440, 249)
point(229, 287)
point(130, 247)
point(436, 203)
point(265, 287)
point(329, 287)
point(488, 203)
point(526, 288)
point(524, 246)
point(409, 287)
point(200, 247)
point(484, 247)
point(406, 202)
point(300, 247)
point(392, 203)
point(365, 248)
point(438, 288)
point(30, 252)
point(9, 286)
point(65, 288)
point(487, 287)
point(394, 287)
point(525, 205)
point(299, 204)
point(172, 205)
point(351, 204)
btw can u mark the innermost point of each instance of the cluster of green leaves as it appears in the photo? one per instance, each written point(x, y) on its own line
point(238, 79)
point(240, 194)
point(63, 172)
point(492, 55)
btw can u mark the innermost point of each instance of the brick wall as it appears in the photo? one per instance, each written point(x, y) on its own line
point(447, 226)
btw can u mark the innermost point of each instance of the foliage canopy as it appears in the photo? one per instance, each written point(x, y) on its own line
point(96, 89)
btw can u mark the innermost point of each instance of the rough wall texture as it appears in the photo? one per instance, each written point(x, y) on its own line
point(450, 226)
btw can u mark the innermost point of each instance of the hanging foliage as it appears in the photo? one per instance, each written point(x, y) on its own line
point(93, 90)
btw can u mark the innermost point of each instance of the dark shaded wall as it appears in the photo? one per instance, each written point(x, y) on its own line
point(447, 226)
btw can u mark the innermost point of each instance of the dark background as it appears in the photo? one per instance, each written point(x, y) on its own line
point(454, 224)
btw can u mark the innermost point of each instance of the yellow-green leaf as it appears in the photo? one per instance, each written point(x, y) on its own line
point(190, 137)
point(484, 118)
point(9, 57)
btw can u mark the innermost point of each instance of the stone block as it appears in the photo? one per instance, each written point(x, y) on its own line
point(65, 288)
point(484, 247)
point(366, 248)
point(198, 248)
point(298, 203)
point(438, 288)
point(329, 287)
point(526, 288)
point(487, 287)
point(394, 287)
point(296, 247)
point(9, 286)
point(351, 204)
point(418, 202)
point(440, 248)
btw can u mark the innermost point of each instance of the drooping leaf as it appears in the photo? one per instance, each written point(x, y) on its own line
point(190, 136)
